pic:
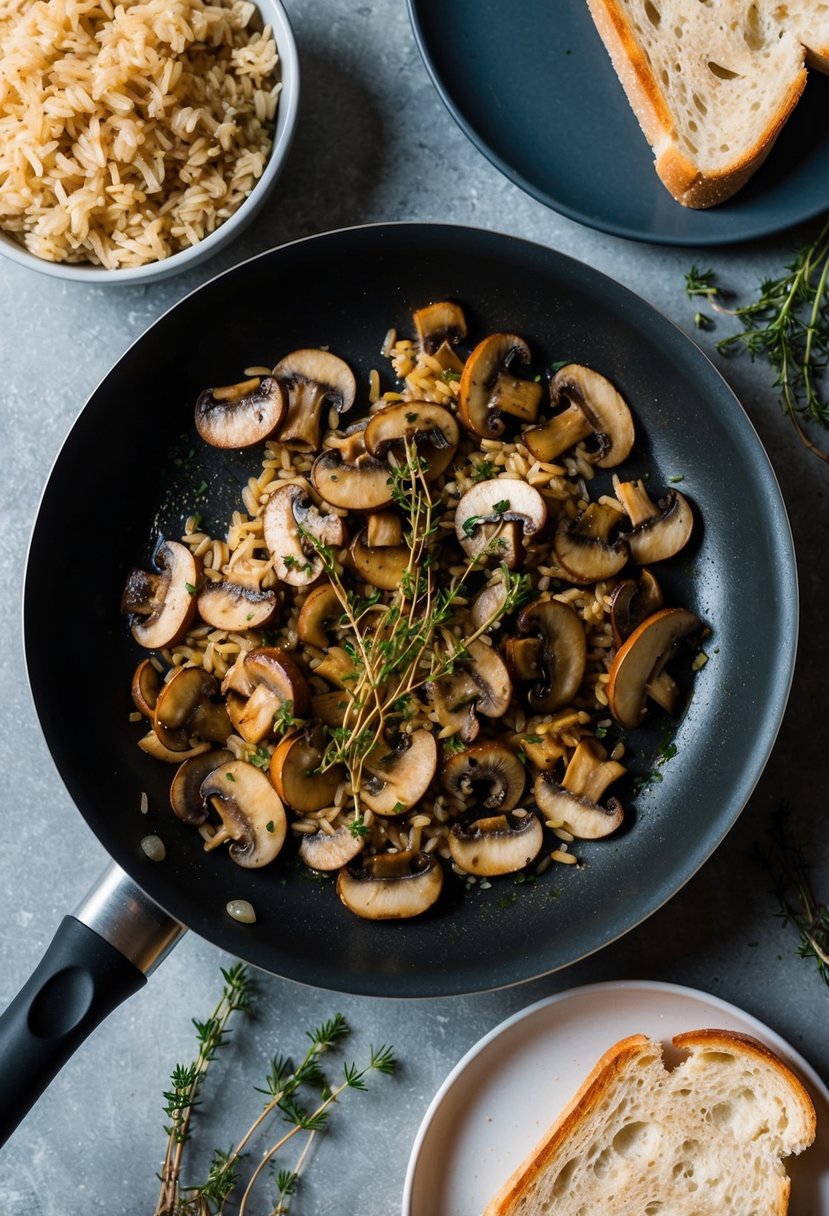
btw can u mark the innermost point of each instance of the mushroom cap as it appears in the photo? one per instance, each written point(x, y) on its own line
point(144, 688)
point(383, 567)
point(251, 812)
point(294, 770)
point(439, 323)
point(185, 791)
point(577, 814)
point(235, 606)
point(593, 405)
point(347, 476)
point(312, 379)
point(321, 609)
point(391, 886)
point(270, 678)
point(151, 744)
point(517, 501)
point(479, 683)
point(488, 603)
point(289, 522)
point(325, 851)
point(487, 387)
point(631, 602)
point(499, 844)
point(399, 776)
point(239, 415)
point(164, 604)
point(640, 660)
point(185, 710)
point(418, 424)
point(665, 533)
point(492, 765)
point(583, 548)
point(563, 654)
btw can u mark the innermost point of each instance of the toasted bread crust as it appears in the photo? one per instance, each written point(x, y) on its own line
point(687, 182)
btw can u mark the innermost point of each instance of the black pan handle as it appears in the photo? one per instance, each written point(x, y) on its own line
point(97, 958)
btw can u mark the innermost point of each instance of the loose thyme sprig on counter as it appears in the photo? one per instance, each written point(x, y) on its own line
point(788, 324)
point(287, 1089)
point(799, 905)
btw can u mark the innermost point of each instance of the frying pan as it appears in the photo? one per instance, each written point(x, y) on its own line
point(132, 469)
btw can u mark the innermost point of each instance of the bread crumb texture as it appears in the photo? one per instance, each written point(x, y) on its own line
point(705, 1139)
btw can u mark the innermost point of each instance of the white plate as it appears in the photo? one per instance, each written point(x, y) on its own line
point(507, 1090)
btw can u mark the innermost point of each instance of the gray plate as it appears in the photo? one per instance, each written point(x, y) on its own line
point(532, 86)
point(132, 464)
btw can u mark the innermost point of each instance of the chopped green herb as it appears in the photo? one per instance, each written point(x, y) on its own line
point(189, 588)
point(398, 807)
point(201, 489)
point(448, 375)
point(700, 283)
point(229, 777)
point(261, 758)
point(533, 739)
point(470, 524)
point(411, 417)
point(501, 507)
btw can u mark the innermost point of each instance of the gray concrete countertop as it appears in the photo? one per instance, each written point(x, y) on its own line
point(374, 143)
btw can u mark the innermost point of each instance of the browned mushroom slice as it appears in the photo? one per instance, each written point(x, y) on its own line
point(490, 771)
point(494, 517)
point(574, 804)
point(338, 668)
point(235, 606)
point(329, 707)
point(593, 407)
point(321, 610)
point(479, 683)
point(639, 663)
point(253, 817)
point(562, 655)
point(313, 381)
point(439, 324)
point(631, 602)
point(295, 770)
point(489, 388)
point(488, 606)
point(239, 415)
point(346, 475)
point(274, 685)
point(297, 534)
point(145, 686)
point(185, 792)
point(583, 546)
point(428, 429)
point(391, 886)
point(332, 850)
point(500, 844)
point(151, 744)
point(185, 710)
point(384, 530)
point(396, 778)
point(162, 603)
point(383, 567)
point(659, 530)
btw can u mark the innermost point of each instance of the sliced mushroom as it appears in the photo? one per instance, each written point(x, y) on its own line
point(145, 686)
point(326, 851)
point(295, 770)
point(151, 744)
point(235, 606)
point(659, 530)
point(346, 475)
point(583, 546)
point(398, 776)
point(185, 792)
point(428, 429)
point(329, 707)
point(489, 389)
point(391, 886)
point(479, 683)
point(313, 381)
point(439, 324)
point(253, 817)
point(321, 610)
point(494, 517)
point(574, 804)
point(500, 844)
point(337, 668)
point(273, 683)
point(384, 530)
point(239, 415)
point(639, 663)
point(562, 654)
point(383, 567)
point(295, 531)
point(185, 710)
point(488, 770)
point(162, 603)
point(631, 602)
point(593, 407)
point(488, 606)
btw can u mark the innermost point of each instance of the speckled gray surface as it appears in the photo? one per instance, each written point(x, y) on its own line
point(373, 143)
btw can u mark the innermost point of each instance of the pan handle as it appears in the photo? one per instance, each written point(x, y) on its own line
point(97, 958)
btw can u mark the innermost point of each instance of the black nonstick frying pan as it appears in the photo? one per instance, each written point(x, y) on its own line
point(132, 468)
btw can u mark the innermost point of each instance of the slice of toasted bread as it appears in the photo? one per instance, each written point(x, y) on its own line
point(705, 1139)
point(712, 82)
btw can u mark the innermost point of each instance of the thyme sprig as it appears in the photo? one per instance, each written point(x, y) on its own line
point(788, 324)
point(798, 904)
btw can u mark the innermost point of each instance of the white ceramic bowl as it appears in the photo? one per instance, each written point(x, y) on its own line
point(274, 15)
